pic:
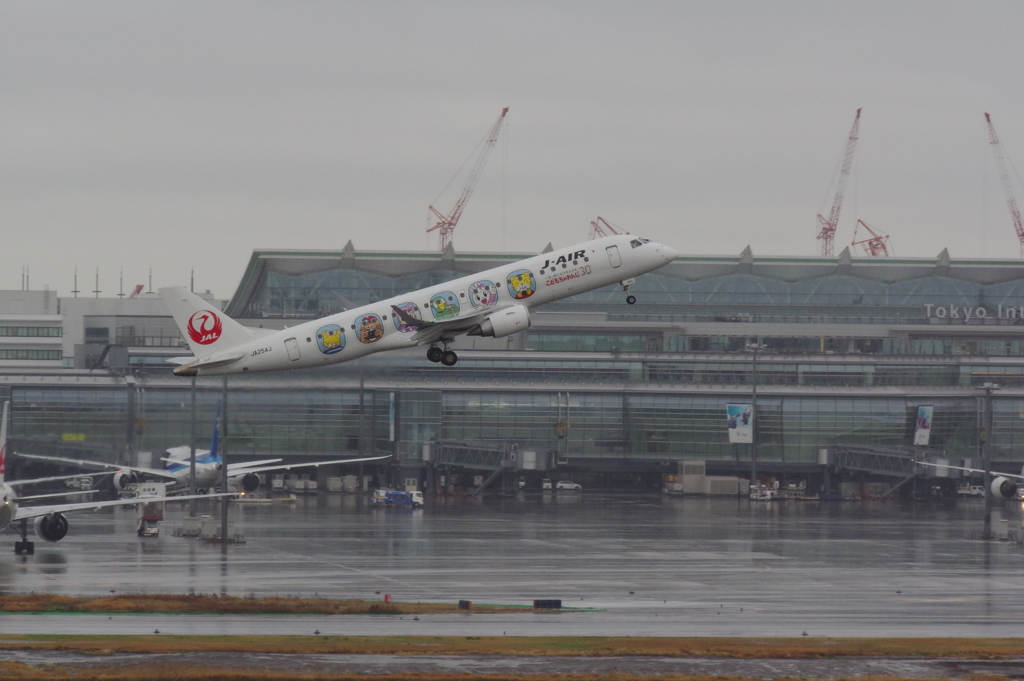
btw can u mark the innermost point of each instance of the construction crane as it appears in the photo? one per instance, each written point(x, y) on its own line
point(446, 223)
point(602, 227)
point(827, 227)
point(876, 245)
point(1004, 175)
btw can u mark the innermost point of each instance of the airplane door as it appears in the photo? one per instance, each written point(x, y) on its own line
point(293, 348)
point(613, 256)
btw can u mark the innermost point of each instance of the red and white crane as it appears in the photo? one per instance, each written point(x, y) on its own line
point(446, 223)
point(602, 227)
point(876, 245)
point(827, 227)
point(1004, 175)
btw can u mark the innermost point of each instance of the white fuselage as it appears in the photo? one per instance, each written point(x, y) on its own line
point(375, 328)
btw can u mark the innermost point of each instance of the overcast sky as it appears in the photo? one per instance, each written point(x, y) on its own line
point(172, 135)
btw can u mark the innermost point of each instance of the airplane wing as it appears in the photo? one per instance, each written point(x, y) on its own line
point(25, 513)
point(289, 466)
point(69, 493)
point(243, 466)
point(155, 472)
point(431, 332)
point(971, 470)
point(52, 478)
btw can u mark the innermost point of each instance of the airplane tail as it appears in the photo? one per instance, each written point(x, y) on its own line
point(3, 441)
point(205, 329)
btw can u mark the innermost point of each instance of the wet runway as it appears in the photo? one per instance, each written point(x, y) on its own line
point(642, 565)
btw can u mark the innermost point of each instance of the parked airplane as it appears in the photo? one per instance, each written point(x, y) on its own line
point(49, 521)
point(493, 303)
point(208, 467)
point(999, 486)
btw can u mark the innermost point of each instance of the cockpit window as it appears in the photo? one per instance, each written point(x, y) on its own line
point(637, 243)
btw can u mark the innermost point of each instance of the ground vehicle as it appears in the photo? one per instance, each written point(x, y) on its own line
point(390, 497)
point(545, 483)
point(971, 491)
point(567, 484)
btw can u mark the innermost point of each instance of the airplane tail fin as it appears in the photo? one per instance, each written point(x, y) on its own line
point(3, 441)
point(205, 329)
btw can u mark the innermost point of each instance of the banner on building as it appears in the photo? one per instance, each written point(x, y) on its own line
point(741, 422)
point(923, 432)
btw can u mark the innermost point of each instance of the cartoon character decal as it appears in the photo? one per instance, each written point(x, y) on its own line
point(411, 309)
point(369, 328)
point(522, 284)
point(444, 305)
point(483, 293)
point(330, 339)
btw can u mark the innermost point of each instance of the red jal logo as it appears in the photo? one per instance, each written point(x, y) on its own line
point(204, 327)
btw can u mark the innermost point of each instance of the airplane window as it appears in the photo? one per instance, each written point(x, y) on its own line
point(636, 243)
point(564, 265)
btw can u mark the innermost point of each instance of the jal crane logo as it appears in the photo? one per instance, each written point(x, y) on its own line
point(205, 327)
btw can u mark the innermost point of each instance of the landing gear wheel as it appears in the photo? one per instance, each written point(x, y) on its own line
point(435, 354)
point(24, 547)
point(630, 300)
point(449, 358)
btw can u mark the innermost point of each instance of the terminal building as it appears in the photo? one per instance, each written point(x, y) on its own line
point(843, 351)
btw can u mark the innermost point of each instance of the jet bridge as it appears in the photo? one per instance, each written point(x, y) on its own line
point(889, 461)
point(498, 458)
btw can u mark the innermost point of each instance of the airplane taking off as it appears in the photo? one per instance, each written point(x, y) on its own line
point(494, 303)
point(208, 467)
point(49, 521)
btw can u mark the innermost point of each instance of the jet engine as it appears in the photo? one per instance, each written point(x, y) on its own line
point(504, 322)
point(124, 478)
point(51, 527)
point(250, 482)
point(1003, 487)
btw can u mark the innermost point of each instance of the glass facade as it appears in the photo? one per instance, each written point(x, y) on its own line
point(593, 425)
point(847, 353)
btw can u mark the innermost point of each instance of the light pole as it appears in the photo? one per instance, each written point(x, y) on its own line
point(754, 347)
point(983, 451)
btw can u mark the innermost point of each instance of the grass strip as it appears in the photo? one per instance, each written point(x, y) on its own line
point(540, 646)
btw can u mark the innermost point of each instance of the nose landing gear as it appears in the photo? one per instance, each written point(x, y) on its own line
point(630, 299)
